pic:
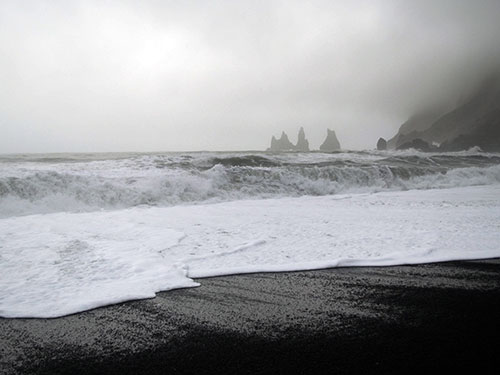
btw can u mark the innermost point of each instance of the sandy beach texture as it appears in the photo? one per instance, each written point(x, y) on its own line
point(372, 320)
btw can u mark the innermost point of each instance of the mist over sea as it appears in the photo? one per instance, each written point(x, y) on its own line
point(79, 231)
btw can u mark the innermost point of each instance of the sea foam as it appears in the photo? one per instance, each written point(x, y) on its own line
point(61, 263)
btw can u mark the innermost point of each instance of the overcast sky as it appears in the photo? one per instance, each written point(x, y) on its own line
point(227, 75)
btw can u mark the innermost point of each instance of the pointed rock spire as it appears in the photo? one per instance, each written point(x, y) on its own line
point(331, 142)
point(281, 144)
point(302, 142)
point(284, 144)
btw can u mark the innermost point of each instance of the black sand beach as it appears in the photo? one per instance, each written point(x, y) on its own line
point(372, 320)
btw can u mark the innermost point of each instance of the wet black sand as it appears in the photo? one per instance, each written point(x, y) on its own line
point(371, 320)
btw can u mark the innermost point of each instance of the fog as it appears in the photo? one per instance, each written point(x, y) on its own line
point(81, 76)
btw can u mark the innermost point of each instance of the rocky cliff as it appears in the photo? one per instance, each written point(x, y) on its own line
point(411, 128)
point(476, 122)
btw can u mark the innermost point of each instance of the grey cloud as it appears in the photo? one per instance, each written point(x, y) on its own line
point(168, 75)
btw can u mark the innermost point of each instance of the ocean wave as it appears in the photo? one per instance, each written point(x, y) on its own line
point(216, 179)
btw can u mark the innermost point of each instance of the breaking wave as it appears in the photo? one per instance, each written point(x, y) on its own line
point(28, 187)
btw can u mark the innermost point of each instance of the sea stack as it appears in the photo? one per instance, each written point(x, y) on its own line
point(284, 144)
point(331, 142)
point(281, 144)
point(302, 142)
point(382, 144)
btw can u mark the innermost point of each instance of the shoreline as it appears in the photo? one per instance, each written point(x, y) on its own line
point(368, 319)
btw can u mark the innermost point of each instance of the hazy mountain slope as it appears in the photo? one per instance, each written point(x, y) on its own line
point(486, 136)
point(482, 110)
point(474, 123)
point(415, 123)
